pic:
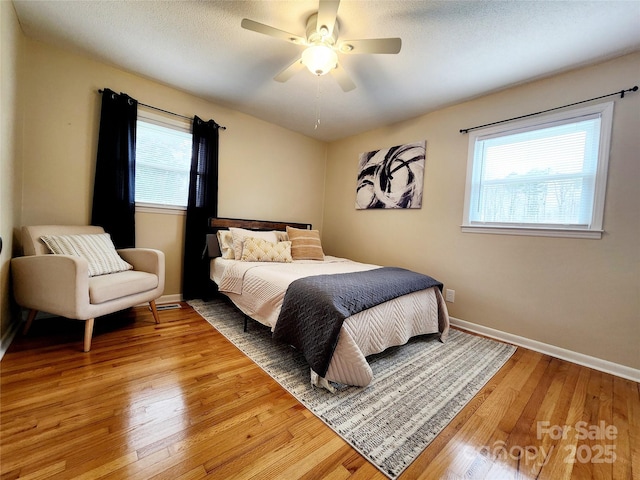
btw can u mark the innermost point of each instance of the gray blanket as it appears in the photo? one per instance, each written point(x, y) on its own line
point(314, 308)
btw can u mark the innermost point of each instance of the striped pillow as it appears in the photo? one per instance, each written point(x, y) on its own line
point(97, 249)
point(305, 244)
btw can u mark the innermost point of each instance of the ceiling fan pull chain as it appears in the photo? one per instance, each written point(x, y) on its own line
point(318, 92)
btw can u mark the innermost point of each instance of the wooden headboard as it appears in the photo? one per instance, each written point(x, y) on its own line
point(217, 223)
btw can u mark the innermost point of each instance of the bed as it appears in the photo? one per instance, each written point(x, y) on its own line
point(259, 265)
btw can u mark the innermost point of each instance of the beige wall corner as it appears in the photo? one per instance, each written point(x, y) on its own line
point(11, 51)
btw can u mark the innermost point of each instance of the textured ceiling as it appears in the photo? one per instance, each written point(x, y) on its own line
point(451, 51)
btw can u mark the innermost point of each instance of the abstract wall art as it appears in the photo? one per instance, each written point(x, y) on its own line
point(391, 178)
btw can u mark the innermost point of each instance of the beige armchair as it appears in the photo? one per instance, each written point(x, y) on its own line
point(61, 285)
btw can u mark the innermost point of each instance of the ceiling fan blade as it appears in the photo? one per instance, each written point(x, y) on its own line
point(289, 71)
point(371, 45)
point(327, 14)
point(271, 31)
point(343, 78)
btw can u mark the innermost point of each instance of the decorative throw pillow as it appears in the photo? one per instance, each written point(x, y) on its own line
point(97, 249)
point(305, 244)
point(225, 241)
point(239, 234)
point(260, 250)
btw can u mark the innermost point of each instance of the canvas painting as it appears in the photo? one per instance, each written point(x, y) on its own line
point(391, 178)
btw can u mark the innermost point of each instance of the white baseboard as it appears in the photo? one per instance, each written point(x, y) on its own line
point(562, 353)
point(173, 298)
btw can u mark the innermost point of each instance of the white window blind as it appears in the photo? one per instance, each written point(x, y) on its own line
point(545, 174)
point(163, 161)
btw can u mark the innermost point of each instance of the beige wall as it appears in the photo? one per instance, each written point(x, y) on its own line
point(11, 44)
point(581, 295)
point(265, 171)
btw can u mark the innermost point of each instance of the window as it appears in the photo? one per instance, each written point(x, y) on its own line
point(544, 176)
point(163, 161)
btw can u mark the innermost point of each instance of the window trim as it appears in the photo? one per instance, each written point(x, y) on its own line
point(143, 207)
point(168, 121)
point(595, 229)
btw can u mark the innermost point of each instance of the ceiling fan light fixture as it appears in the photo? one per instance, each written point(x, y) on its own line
point(319, 59)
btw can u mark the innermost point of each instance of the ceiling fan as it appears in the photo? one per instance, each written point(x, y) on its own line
point(322, 45)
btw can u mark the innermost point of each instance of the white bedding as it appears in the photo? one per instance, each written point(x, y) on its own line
point(258, 288)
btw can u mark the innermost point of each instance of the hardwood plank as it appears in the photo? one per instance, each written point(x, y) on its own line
point(623, 451)
point(522, 440)
point(177, 400)
point(572, 411)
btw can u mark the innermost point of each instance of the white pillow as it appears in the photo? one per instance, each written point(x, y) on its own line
point(225, 241)
point(239, 234)
point(97, 249)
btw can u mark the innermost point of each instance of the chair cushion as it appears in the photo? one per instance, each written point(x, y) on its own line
point(117, 285)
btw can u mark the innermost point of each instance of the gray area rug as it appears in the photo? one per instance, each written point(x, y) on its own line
point(416, 391)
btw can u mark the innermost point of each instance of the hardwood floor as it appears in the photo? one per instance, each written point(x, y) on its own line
point(178, 401)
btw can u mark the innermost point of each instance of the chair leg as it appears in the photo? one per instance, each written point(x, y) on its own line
point(154, 310)
point(27, 325)
point(88, 333)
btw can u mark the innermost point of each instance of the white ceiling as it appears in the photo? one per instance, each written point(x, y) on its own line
point(451, 51)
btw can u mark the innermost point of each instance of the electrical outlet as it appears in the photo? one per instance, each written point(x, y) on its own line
point(450, 295)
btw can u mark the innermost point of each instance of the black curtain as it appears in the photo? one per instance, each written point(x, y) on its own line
point(203, 203)
point(114, 185)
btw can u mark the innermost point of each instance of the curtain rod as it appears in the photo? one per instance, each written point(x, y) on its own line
point(170, 113)
point(621, 93)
